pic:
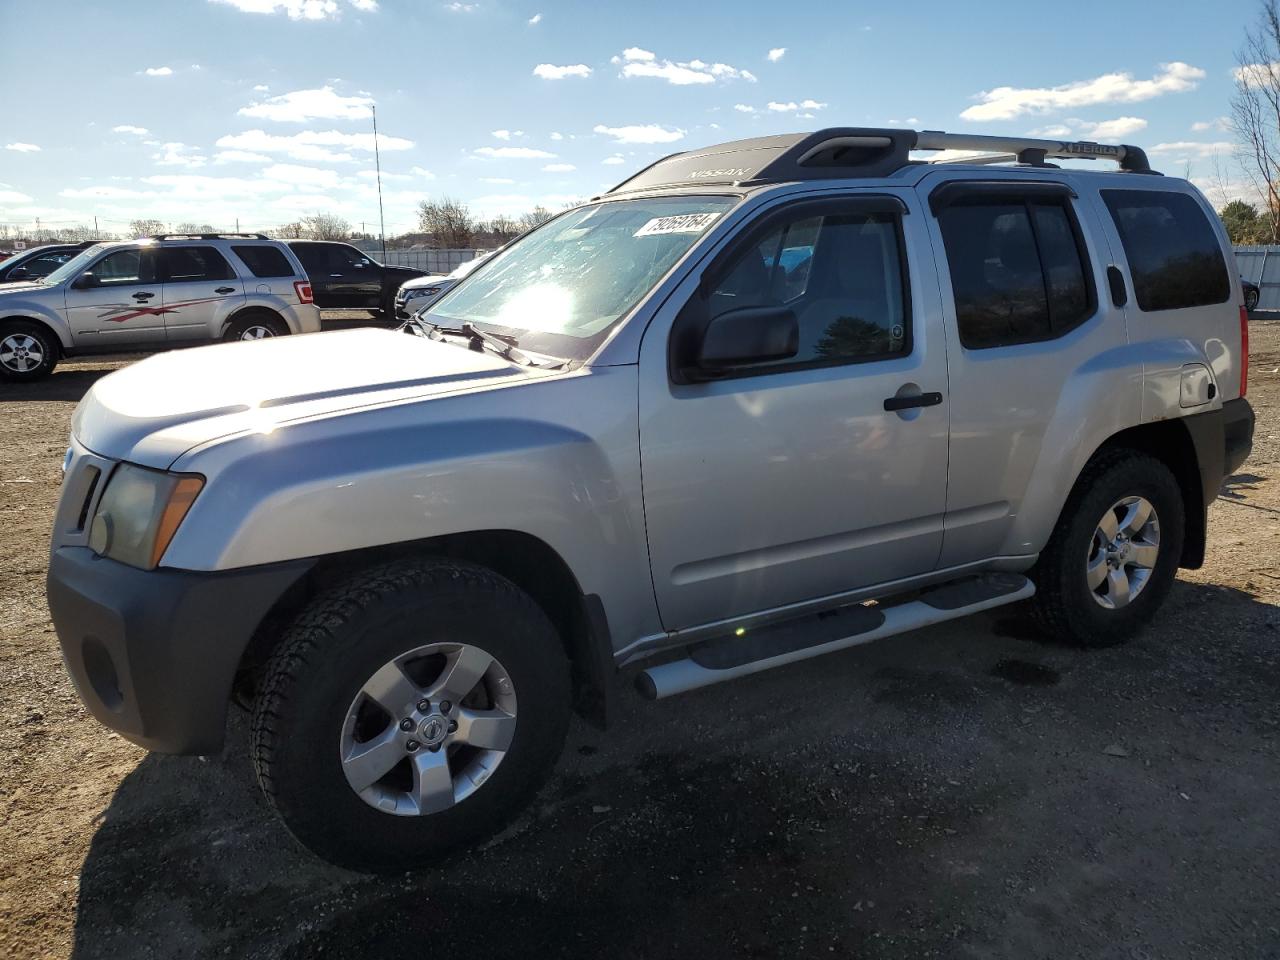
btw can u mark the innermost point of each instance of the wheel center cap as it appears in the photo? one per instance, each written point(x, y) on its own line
point(433, 730)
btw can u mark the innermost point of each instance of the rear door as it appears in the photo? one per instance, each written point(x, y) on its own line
point(356, 281)
point(116, 300)
point(200, 288)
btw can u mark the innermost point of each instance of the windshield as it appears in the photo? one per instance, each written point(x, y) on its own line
point(75, 264)
point(559, 289)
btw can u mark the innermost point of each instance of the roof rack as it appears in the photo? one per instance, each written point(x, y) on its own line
point(857, 152)
point(209, 236)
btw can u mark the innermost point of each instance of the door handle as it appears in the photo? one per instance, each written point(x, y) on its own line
point(919, 400)
point(1115, 279)
point(336, 275)
point(143, 296)
point(224, 290)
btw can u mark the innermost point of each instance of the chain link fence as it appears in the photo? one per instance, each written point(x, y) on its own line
point(432, 261)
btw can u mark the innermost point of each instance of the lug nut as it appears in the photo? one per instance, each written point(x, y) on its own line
point(424, 706)
point(453, 726)
point(406, 724)
point(445, 706)
point(412, 746)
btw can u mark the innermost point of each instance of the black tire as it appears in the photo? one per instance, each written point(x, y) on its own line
point(1064, 605)
point(269, 324)
point(1251, 300)
point(28, 351)
point(339, 642)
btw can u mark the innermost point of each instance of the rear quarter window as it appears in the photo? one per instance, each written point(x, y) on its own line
point(264, 261)
point(1174, 256)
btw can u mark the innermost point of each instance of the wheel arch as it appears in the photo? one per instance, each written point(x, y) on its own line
point(252, 310)
point(62, 345)
point(525, 560)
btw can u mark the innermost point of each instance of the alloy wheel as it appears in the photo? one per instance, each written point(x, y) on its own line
point(21, 353)
point(1123, 552)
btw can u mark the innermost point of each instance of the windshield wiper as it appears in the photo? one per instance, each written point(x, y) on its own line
point(477, 337)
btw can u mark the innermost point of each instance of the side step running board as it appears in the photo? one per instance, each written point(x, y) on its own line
point(727, 658)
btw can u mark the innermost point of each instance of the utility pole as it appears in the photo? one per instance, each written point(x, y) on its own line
point(377, 162)
point(237, 224)
point(95, 226)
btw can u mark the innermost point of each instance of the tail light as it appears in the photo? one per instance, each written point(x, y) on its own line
point(1244, 350)
point(303, 289)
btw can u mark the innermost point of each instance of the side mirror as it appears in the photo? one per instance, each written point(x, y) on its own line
point(19, 273)
point(742, 338)
point(83, 282)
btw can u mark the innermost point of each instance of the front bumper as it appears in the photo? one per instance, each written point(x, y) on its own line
point(153, 653)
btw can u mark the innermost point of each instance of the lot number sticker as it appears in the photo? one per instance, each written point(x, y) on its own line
point(689, 223)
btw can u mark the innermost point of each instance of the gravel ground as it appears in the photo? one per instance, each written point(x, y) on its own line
point(966, 791)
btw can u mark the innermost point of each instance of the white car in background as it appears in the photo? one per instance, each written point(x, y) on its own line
point(421, 292)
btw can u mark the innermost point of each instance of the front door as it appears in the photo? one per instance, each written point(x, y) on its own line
point(199, 286)
point(116, 300)
point(793, 482)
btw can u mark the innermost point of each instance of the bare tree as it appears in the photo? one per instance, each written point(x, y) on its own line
point(448, 220)
point(194, 228)
point(146, 228)
point(326, 226)
point(288, 231)
point(504, 226)
point(1255, 109)
point(535, 217)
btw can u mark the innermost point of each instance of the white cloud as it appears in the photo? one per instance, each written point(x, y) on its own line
point(386, 175)
point(535, 19)
point(1053, 131)
point(301, 105)
point(458, 7)
point(300, 9)
point(647, 133)
point(549, 71)
point(777, 53)
point(513, 153)
point(1113, 129)
point(792, 107)
point(1255, 74)
point(422, 172)
point(1217, 123)
point(178, 155)
point(302, 176)
point(130, 128)
point(559, 168)
point(497, 180)
point(616, 159)
point(310, 145)
point(1007, 103)
point(636, 62)
point(239, 156)
point(505, 134)
point(158, 71)
point(557, 136)
point(1193, 148)
point(745, 108)
point(13, 196)
point(261, 88)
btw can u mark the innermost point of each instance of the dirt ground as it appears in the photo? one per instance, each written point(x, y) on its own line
point(966, 791)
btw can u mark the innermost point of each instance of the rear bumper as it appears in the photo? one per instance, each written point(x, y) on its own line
point(1237, 434)
point(153, 653)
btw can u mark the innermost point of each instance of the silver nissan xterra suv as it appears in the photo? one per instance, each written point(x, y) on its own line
point(699, 421)
point(148, 294)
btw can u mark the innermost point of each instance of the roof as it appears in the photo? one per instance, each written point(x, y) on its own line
point(870, 152)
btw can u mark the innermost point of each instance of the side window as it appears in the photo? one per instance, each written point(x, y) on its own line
point(191, 264)
point(842, 277)
point(264, 261)
point(44, 265)
point(349, 258)
point(123, 267)
point(314, 257)
point(1017, 271)
point(1174, 256)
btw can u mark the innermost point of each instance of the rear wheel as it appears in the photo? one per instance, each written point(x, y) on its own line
point(413, 711)
point(1251, 299)
point(28, 351)
point(1114, 554)
point(256, 326)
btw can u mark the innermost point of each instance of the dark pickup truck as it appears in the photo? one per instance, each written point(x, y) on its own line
point(342, 277)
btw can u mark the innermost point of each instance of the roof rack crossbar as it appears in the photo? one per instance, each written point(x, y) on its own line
point(230, 235)
point(1132, 159)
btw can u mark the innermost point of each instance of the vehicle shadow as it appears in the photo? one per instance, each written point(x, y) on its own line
point(61, 385)
point(951, 796)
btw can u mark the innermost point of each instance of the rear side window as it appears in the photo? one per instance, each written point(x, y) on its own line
point(264, 261)
point(189, 264)
point(1174, 255)
point(1017, 271)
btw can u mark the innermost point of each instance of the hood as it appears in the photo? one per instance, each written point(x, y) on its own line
point(155, 410)
point(24, 286)
point(402, 271)
point(428, 280)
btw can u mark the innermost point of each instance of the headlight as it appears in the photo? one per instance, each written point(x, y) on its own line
point(423, 292)
point(139, 513)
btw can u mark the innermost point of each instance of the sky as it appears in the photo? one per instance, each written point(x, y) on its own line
point(259, 111)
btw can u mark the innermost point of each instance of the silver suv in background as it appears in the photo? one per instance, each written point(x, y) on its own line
point(421, 292)
point(152, 293)
point(758, 403)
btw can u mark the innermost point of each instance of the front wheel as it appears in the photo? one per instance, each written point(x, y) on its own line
point(27, 351)
point(411, 712)
point(1114, 554)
